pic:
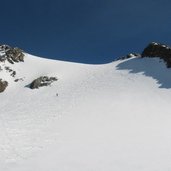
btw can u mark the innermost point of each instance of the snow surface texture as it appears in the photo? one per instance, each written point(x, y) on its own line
point(111, 117)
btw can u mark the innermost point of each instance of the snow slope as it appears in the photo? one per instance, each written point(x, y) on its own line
point(111, 117)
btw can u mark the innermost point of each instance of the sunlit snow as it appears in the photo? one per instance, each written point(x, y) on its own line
point(111, 117)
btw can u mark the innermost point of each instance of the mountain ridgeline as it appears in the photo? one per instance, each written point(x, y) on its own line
point(9, 56)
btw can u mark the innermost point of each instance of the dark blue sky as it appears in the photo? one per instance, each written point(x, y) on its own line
point(88, 31)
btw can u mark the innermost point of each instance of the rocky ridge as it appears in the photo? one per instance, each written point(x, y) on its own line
point(11, 54)
point(153, 50)
point(158, 50)
point(8, 57)
point(42, 81)
point(130, 55)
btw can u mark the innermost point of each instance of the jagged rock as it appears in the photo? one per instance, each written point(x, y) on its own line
point(3, 49)
point(130, 55)
point(3, 85)
point(15, 55)
point(158, 50)
point(13, 74)
point(8, 69)
point(18, 79)
point(11, 54)
point(42, 81)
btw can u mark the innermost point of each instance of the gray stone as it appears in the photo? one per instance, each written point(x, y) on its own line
point(10, 54)
point(42, 81)
point(130, 55)
point(3, 85)
point(15, 55)
point(158, 50)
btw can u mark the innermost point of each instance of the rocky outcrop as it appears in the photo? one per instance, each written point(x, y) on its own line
point(15, 55)
point(42, 81)
point(10, 54)
point(130, 55)
point(158, 50)
point(3, 85)
point(8, 69)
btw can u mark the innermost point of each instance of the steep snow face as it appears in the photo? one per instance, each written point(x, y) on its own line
point(106, 117)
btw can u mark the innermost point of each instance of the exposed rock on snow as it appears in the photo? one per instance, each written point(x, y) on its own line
point(18, 79)
point(130, 55)
point(158, 50)
point(42, 81)
point(3, 85)
point(11, 54)
point(13, 73)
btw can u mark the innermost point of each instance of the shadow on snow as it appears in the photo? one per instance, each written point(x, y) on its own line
point(150, 67)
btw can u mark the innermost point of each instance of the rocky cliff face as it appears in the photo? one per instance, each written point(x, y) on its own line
point(8, 55)
point(158, 50)
point(11, 54)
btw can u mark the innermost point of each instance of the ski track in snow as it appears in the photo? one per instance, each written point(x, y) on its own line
point(105, 117)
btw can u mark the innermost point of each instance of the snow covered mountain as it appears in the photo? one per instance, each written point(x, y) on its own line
point(110, 117)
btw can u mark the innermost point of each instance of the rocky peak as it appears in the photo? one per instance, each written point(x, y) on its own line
point(11, 54)
point(158, 50)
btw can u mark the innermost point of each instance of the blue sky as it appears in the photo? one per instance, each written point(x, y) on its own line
point(87, 31)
